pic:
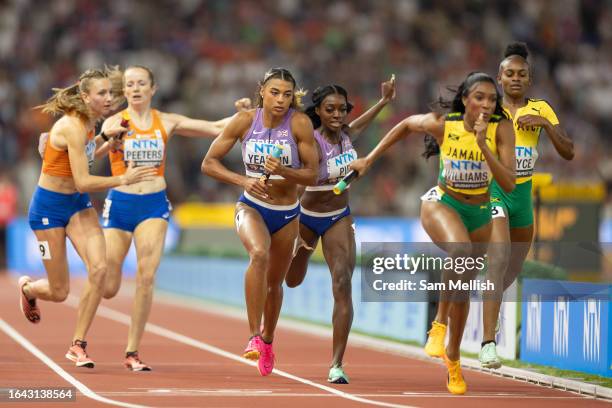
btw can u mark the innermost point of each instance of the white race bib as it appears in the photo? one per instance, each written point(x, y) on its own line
point(144, 152)
point(434, 194)
point(338, 166)
point(90, 152)
point(465, 174)
point(255, 153)
point(497, 211)
point(526, 158)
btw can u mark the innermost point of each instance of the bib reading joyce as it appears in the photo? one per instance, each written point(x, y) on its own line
point(526, 158)
point(144, 152)
point(255, 153)
point(338, 166)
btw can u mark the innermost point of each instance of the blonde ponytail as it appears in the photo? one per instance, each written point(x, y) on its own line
point(69, 100)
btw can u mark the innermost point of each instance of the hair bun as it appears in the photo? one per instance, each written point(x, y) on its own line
point(516, 48)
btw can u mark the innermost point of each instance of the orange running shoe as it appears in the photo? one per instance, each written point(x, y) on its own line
point(454, 380)
point(77, 353)
point(435, 341)
point(132, 362)
point(253, 348)
point(28, 306)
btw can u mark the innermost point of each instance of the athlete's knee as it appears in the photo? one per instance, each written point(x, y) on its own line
point(146, 279)
point(293, 282)
point(341, 285)
point(275, 288)
point(460, 250)
point(259, 257)
point(497, 267)
point(97, 274)
point(112, 283)
point(295, 277)
point(59, 293)
point(512, 272)
point(111, 289)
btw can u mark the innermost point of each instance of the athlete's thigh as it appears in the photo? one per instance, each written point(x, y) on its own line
point(86, 235)
point(52, 247)
point(442, 223)
point(499, 248)
point(481, 235)
point(149, 239)
point(299, 263)
point(309, 236)
point(339, 243)
point(480, 243)
point(251, 228)
point(117, 246)
point(521, 239)
point(281, 250)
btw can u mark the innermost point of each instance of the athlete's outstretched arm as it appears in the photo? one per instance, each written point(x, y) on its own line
point(387, 90)
point(186, 126)
point(301, 127)
point(431, 123)
point(504, 168)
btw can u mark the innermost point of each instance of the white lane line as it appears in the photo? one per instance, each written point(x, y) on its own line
point(169, 334)
point(178, 392)
point(26, 344)
point(383, 346)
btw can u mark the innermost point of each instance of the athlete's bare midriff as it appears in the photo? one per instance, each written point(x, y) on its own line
point(324, 201)
point(281, 192)
point(144, 187)
point(466, 198)
point(64, 185)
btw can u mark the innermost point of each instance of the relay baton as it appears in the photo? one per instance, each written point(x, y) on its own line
point(276, 153)
point(344, 183)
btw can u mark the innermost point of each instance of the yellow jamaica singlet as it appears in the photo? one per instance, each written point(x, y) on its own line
point(527, 137)
point(462, 165)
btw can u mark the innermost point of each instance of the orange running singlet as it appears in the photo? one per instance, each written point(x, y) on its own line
point(57, 163)
point(143, 147)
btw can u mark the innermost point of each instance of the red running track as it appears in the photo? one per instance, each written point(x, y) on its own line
point(195, 358)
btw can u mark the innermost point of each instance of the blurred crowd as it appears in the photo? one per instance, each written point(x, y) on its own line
point(207, 53)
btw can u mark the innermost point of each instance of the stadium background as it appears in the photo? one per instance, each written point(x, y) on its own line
point(206, 54)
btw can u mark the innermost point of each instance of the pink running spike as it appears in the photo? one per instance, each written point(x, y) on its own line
point(253, 348)
point(28, 307)
point(266, 359)
point(78, 355)
point(133, 362)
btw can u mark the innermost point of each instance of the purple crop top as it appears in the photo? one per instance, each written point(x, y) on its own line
point(259, 143)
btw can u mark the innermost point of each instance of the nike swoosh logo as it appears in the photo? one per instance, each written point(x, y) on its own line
point(329, 153)
point(288, 217)
point(258, 133)
point(335, 218)
point(536, 110)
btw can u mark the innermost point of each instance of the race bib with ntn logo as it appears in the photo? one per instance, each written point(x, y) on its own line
point(144, 151)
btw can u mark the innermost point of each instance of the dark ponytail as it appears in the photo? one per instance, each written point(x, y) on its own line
point(432, 148)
